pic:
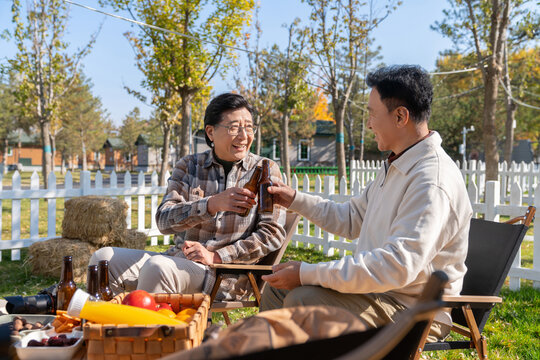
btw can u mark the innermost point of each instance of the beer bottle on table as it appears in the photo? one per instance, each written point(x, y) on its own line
point(104, 289)
point(252, 186)
point(66, 287)
point(266, 201)
point(92, 283)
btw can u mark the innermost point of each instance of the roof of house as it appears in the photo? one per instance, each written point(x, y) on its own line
point(325, 127)
point(142, 139)
point(21, 136)
point(115, 143)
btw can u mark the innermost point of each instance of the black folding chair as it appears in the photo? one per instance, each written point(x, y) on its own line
point(398, 340)
point(492, 249)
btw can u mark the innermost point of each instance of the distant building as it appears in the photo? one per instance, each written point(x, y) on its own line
point(319, 150)
point(523, 152)
point(115, 157)
point(26, 150)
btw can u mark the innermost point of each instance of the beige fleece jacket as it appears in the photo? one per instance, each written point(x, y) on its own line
point(411, 220)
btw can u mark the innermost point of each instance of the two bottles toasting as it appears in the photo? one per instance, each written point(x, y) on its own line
point(258, 184)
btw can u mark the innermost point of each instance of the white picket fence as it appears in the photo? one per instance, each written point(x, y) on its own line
point(526, 175)
point(493, 205)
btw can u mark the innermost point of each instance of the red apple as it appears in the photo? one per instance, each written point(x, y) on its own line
point(140, 298)
point(163, 306)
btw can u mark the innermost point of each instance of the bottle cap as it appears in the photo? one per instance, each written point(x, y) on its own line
point(77, 302)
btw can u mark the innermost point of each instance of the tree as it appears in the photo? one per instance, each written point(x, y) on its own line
point(335, 37)
point(483, 26)
point(288, 80)
point(132, 127)
point(252, 86)
point(45, 71)
point(8, 120)
point(85, 126)
point(185, 62)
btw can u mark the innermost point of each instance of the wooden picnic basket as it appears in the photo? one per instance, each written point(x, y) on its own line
point(123, 342)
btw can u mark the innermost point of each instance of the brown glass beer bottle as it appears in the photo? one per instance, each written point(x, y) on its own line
point(252, 185)
point(104, 289)
point(92, 283)
point(66, 287)
point(266, 201)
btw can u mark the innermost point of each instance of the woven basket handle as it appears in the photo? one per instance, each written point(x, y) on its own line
point(137, 331)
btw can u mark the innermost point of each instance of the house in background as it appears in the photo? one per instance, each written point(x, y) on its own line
point(148, 156)
point(115, 158)
point(319, 150)
point(26, 150)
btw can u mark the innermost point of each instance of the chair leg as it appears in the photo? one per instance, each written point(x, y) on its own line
point(256, 291)
point(479, 340)
point(226, 317)
point(420, 348)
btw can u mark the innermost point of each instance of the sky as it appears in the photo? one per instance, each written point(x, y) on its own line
point(405, 37)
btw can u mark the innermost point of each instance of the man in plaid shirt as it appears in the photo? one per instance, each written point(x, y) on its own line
point(201, 208)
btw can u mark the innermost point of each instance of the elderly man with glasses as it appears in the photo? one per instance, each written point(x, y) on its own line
point(204, 198)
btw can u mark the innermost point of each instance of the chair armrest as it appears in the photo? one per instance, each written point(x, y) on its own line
point(242, 269)
point(470, 299)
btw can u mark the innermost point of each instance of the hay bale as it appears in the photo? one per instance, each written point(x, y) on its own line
point(98, 220)
point(132, 239)
point(46, 257)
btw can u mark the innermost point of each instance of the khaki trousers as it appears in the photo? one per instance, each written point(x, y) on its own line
point(374, 310)
point(131, 269)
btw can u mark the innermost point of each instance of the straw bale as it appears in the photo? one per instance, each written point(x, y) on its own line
point(98, 220)
point(45, 257)
point(132, 239)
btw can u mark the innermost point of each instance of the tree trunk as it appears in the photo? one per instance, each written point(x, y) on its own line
point(510, 112)
point(84, 162)
point(285, 147)
point(490, 135)
point(46, 153)
point(350, 126)
point(5, 157)
point(53, 151)
point(165, 155)
point(339, 112)
point(186, 116)
point(258, 138)
point(63, 166)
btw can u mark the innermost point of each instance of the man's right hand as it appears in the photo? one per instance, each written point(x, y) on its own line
point(233, 199)
point(283, 194)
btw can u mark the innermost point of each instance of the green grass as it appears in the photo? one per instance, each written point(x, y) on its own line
point(513, 331)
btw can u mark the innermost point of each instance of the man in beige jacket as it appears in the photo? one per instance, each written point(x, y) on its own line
point(411, 220)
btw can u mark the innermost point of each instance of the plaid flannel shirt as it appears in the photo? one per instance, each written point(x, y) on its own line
point(183, 212)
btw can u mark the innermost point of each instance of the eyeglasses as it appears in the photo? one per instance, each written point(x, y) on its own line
point(234, 130)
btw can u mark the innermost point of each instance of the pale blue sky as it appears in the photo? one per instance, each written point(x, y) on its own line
point(405, 37)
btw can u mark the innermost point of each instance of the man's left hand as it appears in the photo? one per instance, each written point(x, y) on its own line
point(285, 276)
point(195, 251)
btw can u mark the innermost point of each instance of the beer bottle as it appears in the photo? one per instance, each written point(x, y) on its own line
point(251, 185)
point(66, 287)
point(92, 283)
point(104, 289)
point(266, 201)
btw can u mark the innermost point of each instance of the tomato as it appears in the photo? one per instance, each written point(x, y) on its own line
point(160, 306)
point(140, 298)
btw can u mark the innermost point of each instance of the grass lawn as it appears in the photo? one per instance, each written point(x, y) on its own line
point(513, 331)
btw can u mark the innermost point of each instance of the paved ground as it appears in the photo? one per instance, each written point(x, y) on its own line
point(3, 307)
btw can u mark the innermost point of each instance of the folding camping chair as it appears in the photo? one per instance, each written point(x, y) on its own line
point(254, 273)
point(492, 248)
point(396, 341)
